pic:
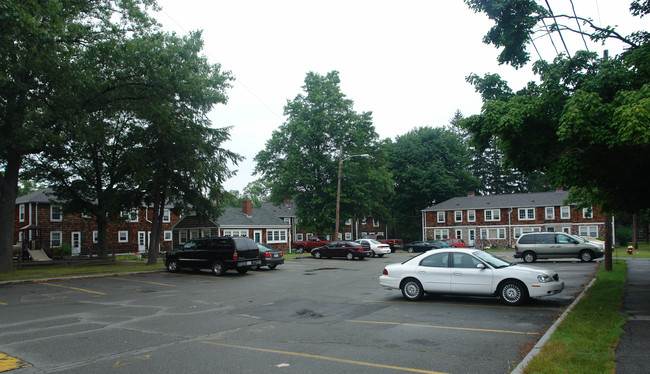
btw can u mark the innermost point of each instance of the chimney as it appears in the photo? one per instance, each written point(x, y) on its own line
point(287, 202)
point(559, 189)
point(471, 193)
point(247, 207)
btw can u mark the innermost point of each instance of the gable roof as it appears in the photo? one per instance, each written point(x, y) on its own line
point(518, 200)
point(235, 217)
point(282, 210)
point(44, 196)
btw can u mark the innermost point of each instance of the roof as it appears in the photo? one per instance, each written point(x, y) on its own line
point(518, 200)
point(234, 217)
point(282, 210)
point(41, 196)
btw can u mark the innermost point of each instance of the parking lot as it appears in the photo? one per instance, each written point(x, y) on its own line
point(319, 316)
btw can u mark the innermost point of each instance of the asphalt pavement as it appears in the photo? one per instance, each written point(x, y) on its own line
point(632, 352)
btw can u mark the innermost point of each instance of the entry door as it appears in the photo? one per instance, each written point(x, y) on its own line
point(76, 243)
point(142, 241)
point(257, 236)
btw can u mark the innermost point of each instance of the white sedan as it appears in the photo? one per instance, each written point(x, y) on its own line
point(469, 272)
point(378, 249)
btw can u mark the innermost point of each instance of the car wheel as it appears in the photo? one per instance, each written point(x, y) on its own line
point(412, 290)
point(272, 266)
point(317, 254)
point(381, 255)
point(218, 268)
point(513, 292)
point(242, 270)
point(410, 250)
point(529, 257)
point(372, 254)
point(349, 256)
point(172, 265)
point(586, 256)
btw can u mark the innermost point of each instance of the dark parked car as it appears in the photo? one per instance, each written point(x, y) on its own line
point(217, 253)
point(424, 246)
point(269, 256)
point(349, 250)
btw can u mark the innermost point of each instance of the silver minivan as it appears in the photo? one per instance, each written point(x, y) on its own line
point(536, 245)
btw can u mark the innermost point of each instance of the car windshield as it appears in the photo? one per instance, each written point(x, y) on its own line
point(373, 241)
point(492, 260)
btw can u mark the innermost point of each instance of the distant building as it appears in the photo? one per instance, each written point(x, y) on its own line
point(501, 219)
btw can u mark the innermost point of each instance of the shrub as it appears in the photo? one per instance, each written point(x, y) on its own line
point(623, 235)
point(65, 249)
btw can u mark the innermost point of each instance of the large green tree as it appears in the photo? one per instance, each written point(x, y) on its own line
point(429, 165)
point(41, 44)
point(587, 124)
point(301, 159)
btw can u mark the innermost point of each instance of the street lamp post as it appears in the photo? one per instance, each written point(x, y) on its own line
point(338, 190)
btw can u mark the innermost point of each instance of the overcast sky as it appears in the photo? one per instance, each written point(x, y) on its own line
point(404, 61)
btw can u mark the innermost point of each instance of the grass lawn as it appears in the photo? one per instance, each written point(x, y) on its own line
point(643, 251)
point(585, 340)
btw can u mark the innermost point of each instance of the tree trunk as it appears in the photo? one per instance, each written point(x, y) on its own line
point(635, 232)
point(608, 242)
point(8, 193)
point(156, 228)
point(102, 225)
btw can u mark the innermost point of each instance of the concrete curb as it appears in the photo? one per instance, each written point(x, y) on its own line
point(538, 347)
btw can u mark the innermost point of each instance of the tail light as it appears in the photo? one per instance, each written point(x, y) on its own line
point(235, 256)
point(516, 249)
point(268, 254)
point(385, 272)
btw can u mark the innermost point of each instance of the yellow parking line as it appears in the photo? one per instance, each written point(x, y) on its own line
point(72, 288)
point(139, 281)
point(444, 327)
point(307, 355)
point(8, 363)
point(1, 303)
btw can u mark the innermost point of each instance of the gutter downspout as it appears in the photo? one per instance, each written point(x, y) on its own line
point(509, 229)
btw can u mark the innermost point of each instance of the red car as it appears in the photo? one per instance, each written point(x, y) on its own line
point(347, 249)
point(458, 243)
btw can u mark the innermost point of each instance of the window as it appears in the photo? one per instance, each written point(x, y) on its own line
point(459, 234)
point(299, 237)
point(21, 236)
point(122, 236)
point(524, 230)
point(465, 261)
point(340, 236)
point(182, 236)
point(496, 233)
point(472, 234)
point(95, 237)
point(439, 234)
point(471, 216)
point(133, 215)
point(458, 216)
point(56, 213)
point(441, 217)
point(526, 214)
point(309, 235)
point(21, 212)
point(588, 231)
point(549, 212)
point(587, 213)
point(492, 215)
point(55, 239)
point(276, 236)
point(566, 230)
point(375, 222)
point(565, 212)
point(194, 234)
point(436, 260)
point(167, 236)
point(348, 236)
point(240, 233)
point(364, 221)
point(348, 222)
point(166, 216)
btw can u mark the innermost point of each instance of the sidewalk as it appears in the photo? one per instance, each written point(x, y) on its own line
point(633, 351)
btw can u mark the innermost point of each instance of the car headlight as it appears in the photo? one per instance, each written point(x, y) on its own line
point(543, 278)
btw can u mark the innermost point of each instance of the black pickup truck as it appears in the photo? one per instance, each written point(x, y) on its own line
point(217, 253)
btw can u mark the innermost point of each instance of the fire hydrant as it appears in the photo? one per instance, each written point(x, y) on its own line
point(629, 249)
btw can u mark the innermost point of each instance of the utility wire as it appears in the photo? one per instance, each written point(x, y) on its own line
point(558, 29)
point(579, 27)
point(550, 36)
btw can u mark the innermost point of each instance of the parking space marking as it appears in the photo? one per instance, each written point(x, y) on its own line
point(8, 363)
point(1, 303)
point(139, 281)
point(444, 327)
point(72, 288)
point(463, 305)
point(307, 355)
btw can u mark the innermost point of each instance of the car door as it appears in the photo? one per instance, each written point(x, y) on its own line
point(434, 273)
point(467, 277)
point(565, 246)
point(545, 246)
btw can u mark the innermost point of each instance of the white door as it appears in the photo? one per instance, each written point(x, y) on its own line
point(142, 241)
point(257, 236)
point(472, 238)
point(76, 243)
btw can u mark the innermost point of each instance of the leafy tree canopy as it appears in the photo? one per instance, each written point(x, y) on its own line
point(301, 159)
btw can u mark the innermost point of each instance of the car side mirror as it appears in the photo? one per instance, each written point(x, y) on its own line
point(480, 266)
